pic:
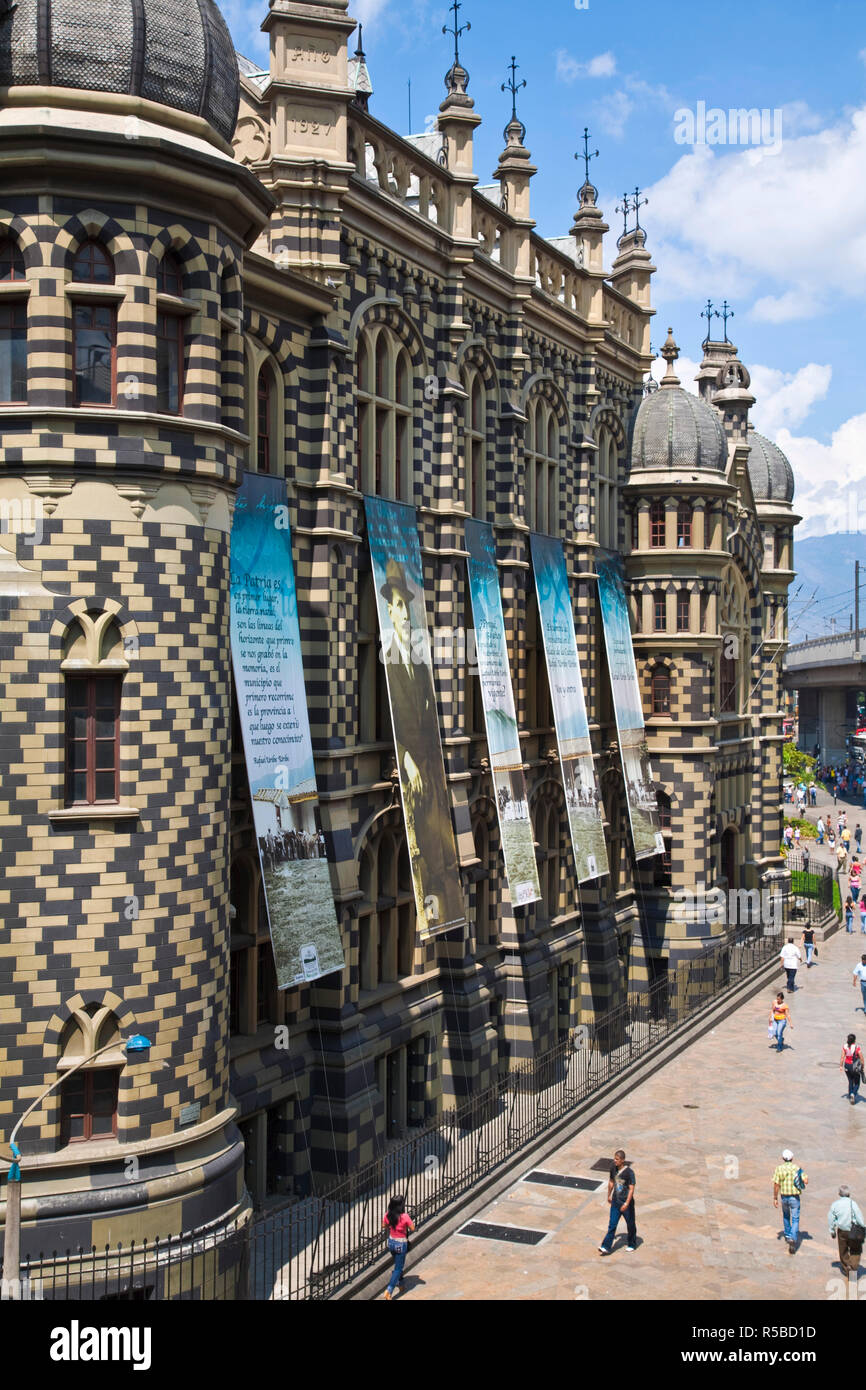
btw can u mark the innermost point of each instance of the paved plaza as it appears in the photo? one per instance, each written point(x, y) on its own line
point(704, 1135)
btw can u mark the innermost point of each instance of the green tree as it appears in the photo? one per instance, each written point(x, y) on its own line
point(796, 765)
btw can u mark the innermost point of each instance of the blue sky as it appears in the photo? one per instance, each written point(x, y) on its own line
point(780, 232)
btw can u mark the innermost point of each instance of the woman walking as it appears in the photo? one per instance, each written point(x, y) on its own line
point(854, 878)
point(780, 1017)
point(851, 1062)
point(849, 913)
point(809, 945)
point(398, 1223)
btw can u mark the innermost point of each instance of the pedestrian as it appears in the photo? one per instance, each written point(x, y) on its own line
point(780, 1017)
point(851, 1062)
point(841, 858)
point(813, 794)
point(860, 977)
point(620, 1195)
point(790, 958)
point(821, 828)
point(863, 915)
point(846, 1222)
point(846, 839)
point(398, 1223)
point(789, 1182)
point(809, 945)
point(806, 856)
point(831, 839)
point(849, 913)
point(797, 836)
point(858, 835)
point(789, 836)
point(854, 878)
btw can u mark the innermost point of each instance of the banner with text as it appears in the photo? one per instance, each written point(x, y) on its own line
point(628, 707)
point(269, 681)
point(582, 796)
point(399, 577)
point(500, 718)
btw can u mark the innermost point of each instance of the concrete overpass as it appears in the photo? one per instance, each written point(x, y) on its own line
point(828, 674)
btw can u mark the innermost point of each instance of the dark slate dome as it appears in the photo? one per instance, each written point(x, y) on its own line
point(175, 52)
point(770, 473)
point(675, 430)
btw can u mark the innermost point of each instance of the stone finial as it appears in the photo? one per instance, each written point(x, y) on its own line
point(670, 352)
point(359, 74)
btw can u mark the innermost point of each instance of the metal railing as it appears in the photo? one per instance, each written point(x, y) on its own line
point(314, 1246)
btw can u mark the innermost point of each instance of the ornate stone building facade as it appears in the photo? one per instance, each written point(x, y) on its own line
point(186, 294)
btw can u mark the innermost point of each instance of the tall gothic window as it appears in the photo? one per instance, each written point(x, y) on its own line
point(657, 524)
point(94, 329)
point(475, 436)
point(93, 666)
point(661, 691)
point(607, 465)
point(170, 337)
point(383, 392)
point(538, 708)
point(548, 823)
point(373, 709)
point(542, 466)
point(735, 655)
point(683, 602)
point(660, 621)
point(386, 914)
point(684, 526)
point(265, 394)
point(88, 1100)
point(13, 327)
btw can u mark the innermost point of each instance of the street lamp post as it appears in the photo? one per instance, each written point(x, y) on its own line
point(12, 1229)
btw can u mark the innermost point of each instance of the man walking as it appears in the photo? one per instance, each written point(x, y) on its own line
point(860, 976)
point(820, 828)
point(790, 958)
point(858, 835)
point(841, 857)
point(789, 1182)
point(620, 1195)
point(844, 1214)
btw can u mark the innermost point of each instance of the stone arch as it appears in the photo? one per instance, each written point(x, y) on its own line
point(181, 241)
point(96, 603)
point(20, 231)
point(106, 999)
point(389, 312)
point(91, 223)
point(542, 384)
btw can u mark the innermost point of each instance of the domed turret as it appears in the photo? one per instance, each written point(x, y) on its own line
point(178, 53)
point(675, 430)
point(770, 473)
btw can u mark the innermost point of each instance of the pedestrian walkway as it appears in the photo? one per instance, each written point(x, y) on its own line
point(704, 1135)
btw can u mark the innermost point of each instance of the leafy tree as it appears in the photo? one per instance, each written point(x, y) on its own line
point(796, 765)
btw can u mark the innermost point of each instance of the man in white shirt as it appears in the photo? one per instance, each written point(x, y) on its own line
point(790, 957)
point(860, 975)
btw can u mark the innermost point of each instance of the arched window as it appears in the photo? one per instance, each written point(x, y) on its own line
point(384, 387)
point(661, 691)
point(657, 524)
point(88, 1100)
point(387, 914)
point(93, 665)
point(93, 264)
point(607, 479)
point(542, 466)
point(735, 654)
point(265, 393)
point(13, 328)
point(475, 436)
point(169, 337)
point(94, 329)
point(11, 260)
point(373, 709)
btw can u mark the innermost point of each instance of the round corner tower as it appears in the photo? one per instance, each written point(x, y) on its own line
point(123, 224)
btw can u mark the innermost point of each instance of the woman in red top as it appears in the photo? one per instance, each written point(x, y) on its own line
point(851, 1062)
point(399, 1223)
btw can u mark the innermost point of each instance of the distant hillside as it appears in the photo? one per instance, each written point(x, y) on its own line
point(826, 564)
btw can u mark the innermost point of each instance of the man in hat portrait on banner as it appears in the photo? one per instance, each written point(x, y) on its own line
point(432, 848)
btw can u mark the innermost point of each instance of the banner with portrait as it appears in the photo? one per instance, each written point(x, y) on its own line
point(582, 795)
point(269, 682)
point(399, 579)
point(628, 707)
point(500, 718)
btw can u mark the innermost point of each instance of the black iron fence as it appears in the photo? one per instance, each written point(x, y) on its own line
point(314, 1246)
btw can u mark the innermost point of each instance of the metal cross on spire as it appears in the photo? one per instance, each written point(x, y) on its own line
point(625, 208)
point(709, 313)
point(724, 316)
point(586, 156)
point(457, 30)
point(513, 86)
point(637, 203)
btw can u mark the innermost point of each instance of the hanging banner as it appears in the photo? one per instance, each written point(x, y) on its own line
point(628, 707)
point(582, 796)
point(500, 718)
point(269, 681)
point(399, 579)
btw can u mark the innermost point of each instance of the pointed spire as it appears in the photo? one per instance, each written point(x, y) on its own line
point(515, 131)
point(359, 74)
point(587, 193)
point(456, 78)
point(670, 352)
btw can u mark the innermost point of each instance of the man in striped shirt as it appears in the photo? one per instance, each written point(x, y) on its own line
point(789, 1180)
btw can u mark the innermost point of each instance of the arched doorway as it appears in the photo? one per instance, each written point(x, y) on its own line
point(730, 867)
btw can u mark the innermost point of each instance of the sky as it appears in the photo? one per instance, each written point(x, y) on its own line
point(775, 223)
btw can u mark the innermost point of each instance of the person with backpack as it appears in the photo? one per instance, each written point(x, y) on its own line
point(620, 1195)
point(851, 1062)
point(846, 1222)
point(789, 1182)
point(398, 1223)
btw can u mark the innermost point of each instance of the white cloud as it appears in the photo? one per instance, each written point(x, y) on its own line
point(365, 11)
point(784, 399)
point(830, 478)
point(612, 114)
point(568, 69)
point(769, 219)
